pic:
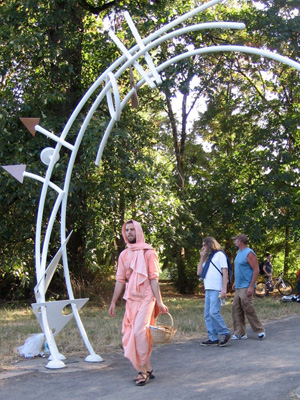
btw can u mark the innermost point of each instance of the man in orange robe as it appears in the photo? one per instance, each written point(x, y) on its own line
point(138, 272)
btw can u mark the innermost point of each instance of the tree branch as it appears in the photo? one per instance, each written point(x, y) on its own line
point(97, 9)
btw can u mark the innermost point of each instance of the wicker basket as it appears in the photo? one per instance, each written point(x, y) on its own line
point(162, 333)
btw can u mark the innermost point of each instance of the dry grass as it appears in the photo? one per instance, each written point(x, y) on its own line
point(105, 332)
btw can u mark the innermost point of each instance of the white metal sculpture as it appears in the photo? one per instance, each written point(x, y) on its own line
point(49, 314)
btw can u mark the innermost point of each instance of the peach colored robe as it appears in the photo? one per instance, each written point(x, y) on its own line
point(137, 266)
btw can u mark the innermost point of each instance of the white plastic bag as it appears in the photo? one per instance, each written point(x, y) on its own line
point(287, 298)
point(32, 346)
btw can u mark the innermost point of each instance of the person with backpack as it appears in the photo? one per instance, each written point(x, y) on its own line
point(246, 270)
point(266, 267)
point(298, 283)
point(213, 269)
point(266, 270)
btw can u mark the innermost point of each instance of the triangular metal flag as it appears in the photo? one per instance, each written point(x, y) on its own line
point(47, 276)
point(134, 97)
point(30, 124)
point(16, 171)
point(57, 320)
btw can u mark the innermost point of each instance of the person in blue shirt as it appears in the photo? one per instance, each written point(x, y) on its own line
point(246, 270)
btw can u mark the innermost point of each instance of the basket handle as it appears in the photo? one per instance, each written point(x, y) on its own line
point(171, 318)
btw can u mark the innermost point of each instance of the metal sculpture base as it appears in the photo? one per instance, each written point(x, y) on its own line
point(93, 358)
point(56, 364)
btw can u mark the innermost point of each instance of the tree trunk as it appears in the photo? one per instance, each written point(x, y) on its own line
point(182, 283)
point(179, 141)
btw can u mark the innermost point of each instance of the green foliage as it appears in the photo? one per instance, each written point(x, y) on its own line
point(156, 166)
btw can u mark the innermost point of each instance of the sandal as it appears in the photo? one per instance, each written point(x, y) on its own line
point(144, 378)
point(150, 374)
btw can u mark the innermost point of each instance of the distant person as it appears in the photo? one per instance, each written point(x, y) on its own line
point(138, 269)
point(246, 270)
point(213, 269)
point(267, 267)
point(298, 284)
point(267, 272)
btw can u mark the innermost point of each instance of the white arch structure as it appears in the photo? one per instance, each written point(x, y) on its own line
point(49, 313)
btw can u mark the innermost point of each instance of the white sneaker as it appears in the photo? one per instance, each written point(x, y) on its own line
point(261, 335)
point(235, 337)
point(239, 337)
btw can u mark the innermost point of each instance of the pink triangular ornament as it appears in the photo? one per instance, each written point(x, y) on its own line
point(134, 97)
point(30, 124)
point(16, 171)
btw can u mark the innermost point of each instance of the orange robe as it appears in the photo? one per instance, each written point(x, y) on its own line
point(137, 266)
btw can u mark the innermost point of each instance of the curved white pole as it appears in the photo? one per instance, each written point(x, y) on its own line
point(231, 48)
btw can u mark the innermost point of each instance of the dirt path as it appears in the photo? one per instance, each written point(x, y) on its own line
point(249, 369)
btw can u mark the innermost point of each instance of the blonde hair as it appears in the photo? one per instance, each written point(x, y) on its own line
point(212, 245)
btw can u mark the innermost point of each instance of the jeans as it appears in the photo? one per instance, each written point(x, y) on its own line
point(214, 321)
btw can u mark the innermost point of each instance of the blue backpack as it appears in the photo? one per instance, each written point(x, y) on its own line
point(230, 269)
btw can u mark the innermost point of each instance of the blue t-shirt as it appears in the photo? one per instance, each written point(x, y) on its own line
point(242, 270)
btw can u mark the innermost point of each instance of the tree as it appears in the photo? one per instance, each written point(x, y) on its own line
point(53, 52)
point(257, 95)
point(155, 166)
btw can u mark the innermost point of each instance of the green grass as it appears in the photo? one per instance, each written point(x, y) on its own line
point(104, 332)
